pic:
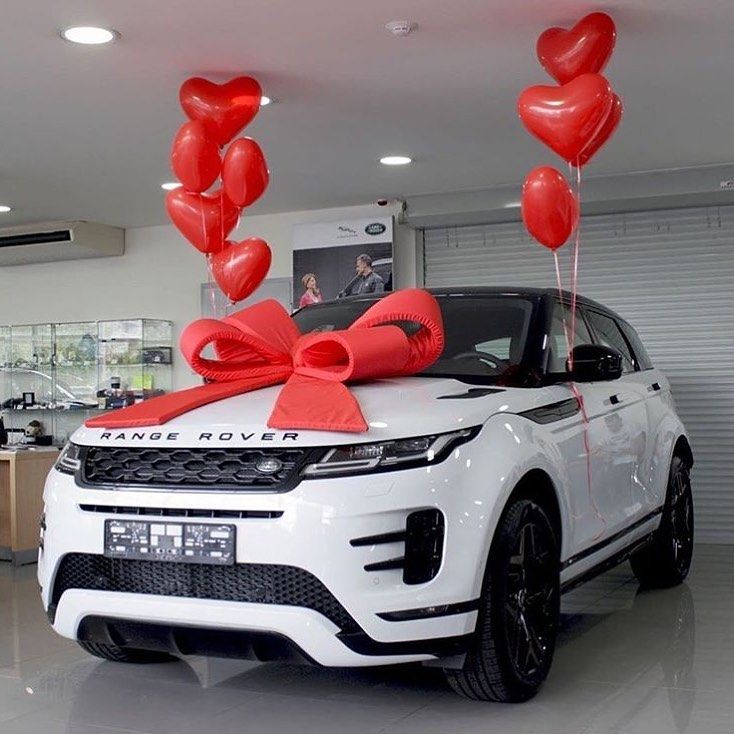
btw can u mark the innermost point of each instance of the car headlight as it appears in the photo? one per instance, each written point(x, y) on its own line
point(403, 453)
point(69, 460)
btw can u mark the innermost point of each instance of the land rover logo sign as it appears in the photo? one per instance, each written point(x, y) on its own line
point(268, 465)
point(375, 228)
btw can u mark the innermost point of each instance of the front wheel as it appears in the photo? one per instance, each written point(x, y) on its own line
point(518, 617)
point(665, 562)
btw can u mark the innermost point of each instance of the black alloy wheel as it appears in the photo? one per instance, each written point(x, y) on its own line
point(531, 595)
point(681, 521)
point(666, 560)
point(519, 611)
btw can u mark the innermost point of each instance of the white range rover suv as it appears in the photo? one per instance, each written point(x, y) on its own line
point(485, 487)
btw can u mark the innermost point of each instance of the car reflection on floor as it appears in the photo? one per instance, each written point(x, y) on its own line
point(627, 661)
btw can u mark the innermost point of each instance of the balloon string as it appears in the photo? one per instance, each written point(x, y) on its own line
point(221, 234)
point(560, 296)
point(204, 233)
point(575, 272)
point(212, 287)
point(574, 388)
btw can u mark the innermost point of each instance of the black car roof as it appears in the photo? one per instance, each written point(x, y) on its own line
point(488, 290)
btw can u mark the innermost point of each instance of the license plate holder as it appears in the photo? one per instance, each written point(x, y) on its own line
point(206, 543)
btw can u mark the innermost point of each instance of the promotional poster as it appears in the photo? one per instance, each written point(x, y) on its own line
point(342, 258)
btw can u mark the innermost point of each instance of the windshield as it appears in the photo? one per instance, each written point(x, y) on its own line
point(485, 335)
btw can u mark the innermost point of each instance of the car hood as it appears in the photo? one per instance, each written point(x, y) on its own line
point(394, 408)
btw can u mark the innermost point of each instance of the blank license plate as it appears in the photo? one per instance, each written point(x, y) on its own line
point(167, 541)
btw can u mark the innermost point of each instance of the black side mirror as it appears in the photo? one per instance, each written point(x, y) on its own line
point(592, 362)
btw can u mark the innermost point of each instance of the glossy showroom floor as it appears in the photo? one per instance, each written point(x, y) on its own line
point(627, 662)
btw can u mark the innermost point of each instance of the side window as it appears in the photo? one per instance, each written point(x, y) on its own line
point(642, 358)
point(557, 345)
point(609, 334)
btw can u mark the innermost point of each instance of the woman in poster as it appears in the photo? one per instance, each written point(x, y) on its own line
point(311, 294)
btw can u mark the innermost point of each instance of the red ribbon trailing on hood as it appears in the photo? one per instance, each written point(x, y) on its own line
point(262, 346)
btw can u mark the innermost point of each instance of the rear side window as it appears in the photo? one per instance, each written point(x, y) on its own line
point(642, 358)
point(557, 347)
point(609, 334)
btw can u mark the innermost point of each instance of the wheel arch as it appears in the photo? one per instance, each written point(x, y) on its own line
point(537, 485)
point(683, 449)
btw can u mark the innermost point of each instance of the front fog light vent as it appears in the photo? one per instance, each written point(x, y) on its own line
point(423, 536)
point(424, 532)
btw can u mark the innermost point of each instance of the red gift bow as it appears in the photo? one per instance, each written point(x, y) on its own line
point(261, 346)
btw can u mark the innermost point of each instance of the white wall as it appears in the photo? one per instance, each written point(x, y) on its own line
point(160, 276)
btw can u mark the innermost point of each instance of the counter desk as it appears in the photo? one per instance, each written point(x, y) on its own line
point(22, 476)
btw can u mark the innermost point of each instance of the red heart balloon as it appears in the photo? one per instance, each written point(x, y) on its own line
point(195, 157)
point(567, 118)
point(584, 49)
point(605, 132)
point(204, 220)
point(241, 267)
point(227, 108)
point(550, 209)
point(245, 173)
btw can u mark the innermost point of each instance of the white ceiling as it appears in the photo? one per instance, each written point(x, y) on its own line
point(85, 131)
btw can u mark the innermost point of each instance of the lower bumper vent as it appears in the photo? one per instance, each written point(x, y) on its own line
point(246, 582)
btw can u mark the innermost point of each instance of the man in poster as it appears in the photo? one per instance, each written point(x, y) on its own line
point(366, 280)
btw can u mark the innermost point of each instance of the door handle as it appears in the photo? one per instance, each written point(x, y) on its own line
point(614, 399)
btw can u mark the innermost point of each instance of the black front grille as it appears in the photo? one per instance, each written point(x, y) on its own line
point(195, 468)
point(246, 582)
point(182, 512)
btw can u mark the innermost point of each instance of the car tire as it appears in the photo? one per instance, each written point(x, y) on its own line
point(665, 562)
point(125, 654)
point(513, 645)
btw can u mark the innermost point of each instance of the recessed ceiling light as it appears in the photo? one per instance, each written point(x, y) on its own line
point(170, 185)
point(401, 28)
point(265, 101)
point(89, 35)
point(395, 160)
point(4, 209)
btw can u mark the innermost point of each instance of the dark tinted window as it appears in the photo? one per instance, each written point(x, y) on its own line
point(485, 336)
point(561, 324)
point(609, 334)
point(642, 358)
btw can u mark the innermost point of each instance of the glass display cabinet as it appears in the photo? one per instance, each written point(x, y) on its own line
point(135, 358)
point(59, 374)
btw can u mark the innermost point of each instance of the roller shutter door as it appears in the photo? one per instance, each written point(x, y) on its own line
point(670, 273)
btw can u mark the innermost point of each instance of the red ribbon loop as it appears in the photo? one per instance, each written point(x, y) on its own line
point(261, 345)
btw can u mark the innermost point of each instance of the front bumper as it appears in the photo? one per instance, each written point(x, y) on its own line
point(319, 519)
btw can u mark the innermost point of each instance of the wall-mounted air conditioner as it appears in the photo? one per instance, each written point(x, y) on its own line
point(52, 241)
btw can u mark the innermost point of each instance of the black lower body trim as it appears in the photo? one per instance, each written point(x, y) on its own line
point(607, 564)
point(611, 539)
point(181, 640)
point(441, 647)
point(439, 610)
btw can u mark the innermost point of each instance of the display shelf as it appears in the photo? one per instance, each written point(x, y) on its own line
point(68, 370)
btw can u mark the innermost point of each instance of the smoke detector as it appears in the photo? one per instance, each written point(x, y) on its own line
point(400, 28)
